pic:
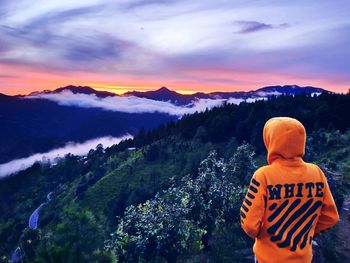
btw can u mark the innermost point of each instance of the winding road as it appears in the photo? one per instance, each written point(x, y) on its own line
point(34, 217)
point(17, 255)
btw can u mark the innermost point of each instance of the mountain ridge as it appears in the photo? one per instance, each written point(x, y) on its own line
point(33, 126)
point(166, 94)
point(39, 125)
point(75, 89)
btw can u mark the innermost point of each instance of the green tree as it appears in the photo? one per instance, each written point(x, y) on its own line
point(73, 240)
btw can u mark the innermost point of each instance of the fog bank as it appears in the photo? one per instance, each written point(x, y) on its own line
point(79, 149)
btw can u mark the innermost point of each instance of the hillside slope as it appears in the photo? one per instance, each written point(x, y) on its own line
point(32, 126)
point(89, 193)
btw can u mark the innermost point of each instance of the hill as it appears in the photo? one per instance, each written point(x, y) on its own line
point(33, 126)
point(88, 193)
point(75, 89)
point(46, 120)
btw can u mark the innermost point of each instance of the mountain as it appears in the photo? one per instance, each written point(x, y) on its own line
point(38, 125)
point(165, 94)
point(287, 90)
point(75, 89)
point(31, 126)
point(4, 97)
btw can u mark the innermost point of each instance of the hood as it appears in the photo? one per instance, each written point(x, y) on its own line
point(284, 139)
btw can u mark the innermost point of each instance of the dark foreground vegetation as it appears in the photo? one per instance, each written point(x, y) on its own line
point(169, 195)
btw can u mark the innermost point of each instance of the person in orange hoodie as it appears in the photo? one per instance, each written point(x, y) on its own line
point(288, 201)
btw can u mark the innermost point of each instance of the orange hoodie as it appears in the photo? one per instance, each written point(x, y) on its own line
point(289, 200)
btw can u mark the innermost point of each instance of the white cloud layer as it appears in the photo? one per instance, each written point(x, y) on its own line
point(238, 100)
point(128, 104)
point(79, 149)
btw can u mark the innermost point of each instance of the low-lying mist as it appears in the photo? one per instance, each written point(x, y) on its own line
point(132, 104)
point(79, 149)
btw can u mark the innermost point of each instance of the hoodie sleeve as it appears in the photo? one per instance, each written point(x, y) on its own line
point(329, 214)
point(253, 207)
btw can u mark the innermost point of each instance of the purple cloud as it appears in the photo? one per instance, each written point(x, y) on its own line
point(64, 51)
point(254, 26)
point(165, 40)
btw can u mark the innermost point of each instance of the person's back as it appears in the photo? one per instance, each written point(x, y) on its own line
point(288, 201)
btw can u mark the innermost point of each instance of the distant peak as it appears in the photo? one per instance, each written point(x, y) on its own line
point(76, 89)
point(165, 89)
point(286, 87)
point(4, 95)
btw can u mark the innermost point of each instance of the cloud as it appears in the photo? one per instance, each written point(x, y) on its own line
point(127, 41)
point(132, 104)
point(254, 26)
point(63, 16)
point(249, 100)
point(89, 51)
point(79, 149)
point(128, 104)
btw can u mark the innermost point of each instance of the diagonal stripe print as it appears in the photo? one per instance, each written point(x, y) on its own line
point(253, 189)
point(247, 202)
point(291, 232)
point(275, 227)
point(255, 182)
point(250, 195)
point(273, 206)
point(304, 232)
point(245, 208)
point(306, 235)
point(294, 216)
point(278, 211)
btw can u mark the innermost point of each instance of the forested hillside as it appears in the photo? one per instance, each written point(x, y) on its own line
point(36, 126)
point(171, 194)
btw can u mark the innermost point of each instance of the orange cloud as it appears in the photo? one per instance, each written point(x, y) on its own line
point(20, 79)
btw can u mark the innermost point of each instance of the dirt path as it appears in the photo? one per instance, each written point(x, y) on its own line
point(343, 230)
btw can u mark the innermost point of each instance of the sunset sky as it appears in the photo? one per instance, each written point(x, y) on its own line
point(187, 46)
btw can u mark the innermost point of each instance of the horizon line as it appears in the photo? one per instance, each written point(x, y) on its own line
point(122, 90)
